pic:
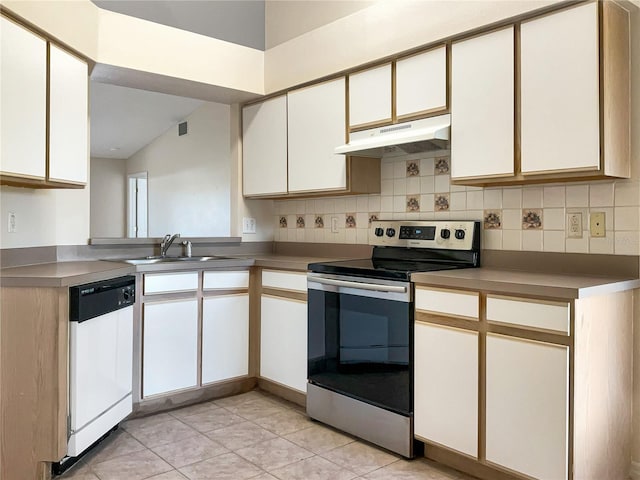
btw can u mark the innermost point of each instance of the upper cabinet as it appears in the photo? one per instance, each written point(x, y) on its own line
point(482, 105)
point(68, 117)
point(289, 143)
point(264, 147)
point(421, 83)
point(23, 117)
point(570, 105)
point(560, 112)
point(316, 127)
point(410, 87)
point(370, 95)
point(44, 145)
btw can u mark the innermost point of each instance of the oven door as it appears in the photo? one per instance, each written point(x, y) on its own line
point(360, 339)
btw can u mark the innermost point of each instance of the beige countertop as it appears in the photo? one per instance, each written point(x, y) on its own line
point(527, 283)
point(63, 274)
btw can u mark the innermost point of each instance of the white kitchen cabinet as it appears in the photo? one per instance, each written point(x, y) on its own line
point(68, 117)
point(527, 402)
point(446, 387)
point(421, 83)
point(283, 341)
point(482, 105)
point(316, 127)
point(264, 147)
point(170, 346)
point(370, 96)
point(23, 116)
point(560, 106)
point(225, 337)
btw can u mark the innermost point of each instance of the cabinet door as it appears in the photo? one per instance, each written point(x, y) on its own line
point(23, 87)
point(560, 96)
point(68, 117)
point(446, 387)
point(482, 106)
point(225, 337)
point(283, 342)
point(170, 346)
point(370, 96)
point(421, 83)
point(527, 406)
point(264, 147)
point(316, 127)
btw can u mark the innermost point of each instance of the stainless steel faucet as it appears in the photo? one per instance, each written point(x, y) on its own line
point(166, 243)
point(187, 248)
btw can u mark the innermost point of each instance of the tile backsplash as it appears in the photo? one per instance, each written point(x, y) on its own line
point(532, 217)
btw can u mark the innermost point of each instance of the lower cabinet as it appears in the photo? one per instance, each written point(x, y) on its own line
point(194, 331)
point(225, 337)
point(446, 387)
point(527, 406)
point(283, 341)
point(170, 346)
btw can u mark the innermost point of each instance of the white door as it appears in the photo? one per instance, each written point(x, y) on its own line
point(68, 117)
point(23, 96)
point(264, 147)
point(316, 120)
point(225, 337)
point(482, 105)
point(446, 387)
point(560, 97)
point(370, 96)
point(421, 83)
point(283, 342)
point(137, 205)
point(170, 346)
point(527, 406)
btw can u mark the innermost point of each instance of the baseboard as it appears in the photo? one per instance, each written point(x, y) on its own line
point(634, 472)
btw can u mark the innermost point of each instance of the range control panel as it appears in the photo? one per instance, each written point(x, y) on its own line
point(445, 234)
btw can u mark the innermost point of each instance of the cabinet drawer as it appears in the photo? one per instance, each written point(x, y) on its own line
point(447, 302)
point(285, 280)
point(226, 280)
point(528, 313)
point(170, 282)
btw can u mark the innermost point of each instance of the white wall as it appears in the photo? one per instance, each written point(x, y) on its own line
point(44, 217)
point(189, 177)
point(108, 197)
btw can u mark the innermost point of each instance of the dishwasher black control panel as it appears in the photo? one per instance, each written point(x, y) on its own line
point(99, 298)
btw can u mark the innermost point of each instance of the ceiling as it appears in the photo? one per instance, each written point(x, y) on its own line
point(123, 120)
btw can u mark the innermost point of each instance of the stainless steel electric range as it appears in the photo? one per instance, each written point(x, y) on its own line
point(360, 331)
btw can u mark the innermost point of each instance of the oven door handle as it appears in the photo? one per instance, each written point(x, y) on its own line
point(361, 286)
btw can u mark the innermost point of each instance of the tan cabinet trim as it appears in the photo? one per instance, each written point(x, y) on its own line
point(560, 171)
point(228, 292)
point(433, 314)
point(284, 293)
point(431, 112)
point(172, 297)
point(458, 323)
point(529, 336)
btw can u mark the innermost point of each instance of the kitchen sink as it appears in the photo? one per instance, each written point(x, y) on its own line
point(158, 259)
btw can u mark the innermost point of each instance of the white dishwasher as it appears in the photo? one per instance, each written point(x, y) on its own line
point(100, 359)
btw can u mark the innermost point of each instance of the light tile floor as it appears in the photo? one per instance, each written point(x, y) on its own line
point(250, 436)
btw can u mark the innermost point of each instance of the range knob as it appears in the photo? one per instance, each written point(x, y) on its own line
point(460, 234)
point(445, 233)
point(378, 232)
point(125, 294)
point(391, 232)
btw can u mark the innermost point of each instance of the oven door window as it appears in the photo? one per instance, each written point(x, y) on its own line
point(360, 347)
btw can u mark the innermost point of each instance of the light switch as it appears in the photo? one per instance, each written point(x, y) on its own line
point(11, 222)
point(248, 225)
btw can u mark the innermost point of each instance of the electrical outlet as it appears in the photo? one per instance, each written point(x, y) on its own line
point(248, 225)
point(574, 225)
point(597, 224)
point(334, 224)
point(11, 222)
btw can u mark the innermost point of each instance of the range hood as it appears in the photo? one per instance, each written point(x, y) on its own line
point(409, 137)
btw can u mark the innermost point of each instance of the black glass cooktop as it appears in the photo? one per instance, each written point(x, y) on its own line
point(398, 263)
